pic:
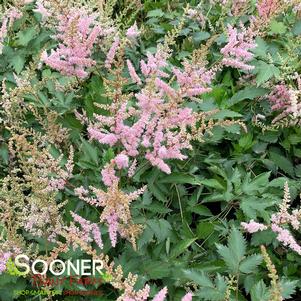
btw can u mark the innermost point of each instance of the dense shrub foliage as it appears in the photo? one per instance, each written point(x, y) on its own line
point(160, 137)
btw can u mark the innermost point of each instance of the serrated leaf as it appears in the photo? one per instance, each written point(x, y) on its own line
point(247, 93)
point(17, 63)
point(277, 27)
point(199, 278)
point(265, 71)
point(234, 252)
point(161, 228)
point(288, 288)
point(249, 265)
point(181, 247)
point(155, 13)
point(260, 292)
point(213, 183)
point(283, 163)
point(25, 36)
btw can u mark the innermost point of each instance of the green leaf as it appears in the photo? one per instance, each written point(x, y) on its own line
point(247, 93)
point(213, 183)
point(204, 229)
point(235, 251)
point(260, 292)
point(155, 13)
point(199, 278)
point(249, 265)
point(161, 228)
point(257, 184)
point(181, 247)
point(180, 178)
point(17, 63)
point(200, 36)
point(265, 71)
point(214, 294)
point(200, 210)
point(25, 36)
point(297, 28)
point(283, 163)
point(288, 288)
point(225, 114)
point(277, 27)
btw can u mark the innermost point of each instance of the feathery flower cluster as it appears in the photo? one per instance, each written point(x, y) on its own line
point(116, 210)
point(42, 221)
point(4, 257)
point(11, 15)
point(252, 226)
point(133, 32)
point(282, 217)
point(268, 8)
point(40, 8)
point(143, 295)
point(89, 230)
point(112, 52)
point(286, 100)
point(236, 52)
point(158, 121)
point(276, 290)
point(77, 33)
point(280, 97)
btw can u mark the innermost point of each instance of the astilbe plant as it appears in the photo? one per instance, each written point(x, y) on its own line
point(77, 34)
point(116, 211)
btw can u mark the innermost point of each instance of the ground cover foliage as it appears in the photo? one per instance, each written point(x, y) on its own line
point(162, 137)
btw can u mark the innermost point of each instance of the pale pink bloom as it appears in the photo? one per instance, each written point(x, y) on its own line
point(280, 97)
point(112, 52)
point(253, 227)
point(133, 32)
point(112, 220)
point(122, 161)
point(193, 80)
point(97, 235)
point(134, 76)
point(77, 33)
point(266, 8)
point(154, 64)
point(165, 87)
point(102, 138)
point(286, 238)
point(42, 10)
point(56, 184)
point(89, 230)
point(132, 168)
point(108, 175)
point(187, 297)
point(4, 257)
point(236, 52)
point(161, 295)
point(13, 14)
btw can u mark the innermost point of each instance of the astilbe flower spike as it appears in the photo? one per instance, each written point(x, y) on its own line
point(77, 34)
point(4, 257)
point(286, 100)
point(268, 8)
point(159, 121)
point(116, 211)
point(187, 297)
point(11, 15)
point(278, 221)
point(236, 53)
point(89, 230)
